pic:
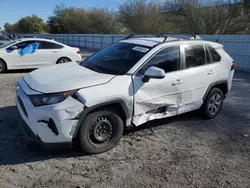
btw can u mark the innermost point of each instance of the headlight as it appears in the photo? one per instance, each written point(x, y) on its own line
point(47, 99)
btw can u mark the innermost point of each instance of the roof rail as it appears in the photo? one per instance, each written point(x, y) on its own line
point(196, 37)
point(167, 38)
point(130, 36)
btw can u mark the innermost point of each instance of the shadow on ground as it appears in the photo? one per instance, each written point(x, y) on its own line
point(15, 150)
point(19, 71)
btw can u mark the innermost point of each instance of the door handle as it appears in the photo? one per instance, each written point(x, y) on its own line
point(54, 51)
point(178, 81)
point(210, 73)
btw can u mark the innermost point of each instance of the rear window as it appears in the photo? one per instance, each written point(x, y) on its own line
point(49, 45)
point(214, 54)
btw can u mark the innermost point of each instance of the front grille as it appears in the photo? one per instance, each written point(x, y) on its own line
point(22, 105)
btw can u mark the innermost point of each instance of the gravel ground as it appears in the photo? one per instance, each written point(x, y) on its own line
point(184, 151)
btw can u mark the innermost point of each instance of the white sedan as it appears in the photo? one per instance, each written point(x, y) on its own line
point(35, 53)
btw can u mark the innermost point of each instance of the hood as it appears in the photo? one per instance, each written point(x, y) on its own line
point(64, 77)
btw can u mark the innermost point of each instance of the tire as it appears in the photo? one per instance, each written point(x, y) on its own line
point(2, 66)
point(100, 131)
point(212, 104)
point(63, 60)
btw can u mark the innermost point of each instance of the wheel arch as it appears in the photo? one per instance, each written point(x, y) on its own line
point(4, 63)
point(119, 105)
point(61, 58)
point(223, 85)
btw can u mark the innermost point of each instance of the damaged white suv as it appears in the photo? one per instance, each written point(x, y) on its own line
point(130, 82)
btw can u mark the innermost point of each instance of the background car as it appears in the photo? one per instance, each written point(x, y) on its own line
point(18, 54)
point(4, 39)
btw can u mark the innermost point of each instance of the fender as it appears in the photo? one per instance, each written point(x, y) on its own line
point(214, 84)
point(126, 110)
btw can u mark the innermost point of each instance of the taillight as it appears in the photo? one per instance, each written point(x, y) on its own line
point(233, 66)
point(78, 52)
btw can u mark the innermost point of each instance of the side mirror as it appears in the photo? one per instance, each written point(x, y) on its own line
point(153, 72)
point(14, 47)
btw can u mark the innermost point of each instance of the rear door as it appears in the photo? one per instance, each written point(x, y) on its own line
point(197, 74)
point(48, 53)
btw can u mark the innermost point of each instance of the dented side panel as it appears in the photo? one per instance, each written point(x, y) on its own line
point(155, 99)
point(161, 98)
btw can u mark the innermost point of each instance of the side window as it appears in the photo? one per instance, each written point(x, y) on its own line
point(215, 55)
point(22, 45)
point(49, 45)
point(167, 59)
point(195, 56)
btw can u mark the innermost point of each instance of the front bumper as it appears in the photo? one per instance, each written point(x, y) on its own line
point(36, 121)
point(31, 137)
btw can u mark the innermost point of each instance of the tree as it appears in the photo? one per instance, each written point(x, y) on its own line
point(9, 28)
point(210, 17)
point(28, 24)
point(102, 21)
point(78, 20)
point(67, 20)
point(140, 16)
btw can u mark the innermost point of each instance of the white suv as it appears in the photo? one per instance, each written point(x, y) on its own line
point(130, 82)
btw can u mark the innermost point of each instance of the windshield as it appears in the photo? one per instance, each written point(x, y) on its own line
point(7, 44)
point(116, 59)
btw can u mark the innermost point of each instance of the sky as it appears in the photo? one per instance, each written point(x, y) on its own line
point(12, 10)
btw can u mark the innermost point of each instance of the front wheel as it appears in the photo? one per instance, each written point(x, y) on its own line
point(100, 131)
point(2, 66)
point(212, 104)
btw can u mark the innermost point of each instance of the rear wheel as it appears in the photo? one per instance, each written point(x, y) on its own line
point(2, 66)
point(100, 131)
point(213, 103)
point(63, 60)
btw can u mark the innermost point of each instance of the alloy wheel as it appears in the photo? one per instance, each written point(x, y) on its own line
point(214, 104)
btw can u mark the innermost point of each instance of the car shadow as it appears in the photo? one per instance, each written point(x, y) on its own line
point(156, 124)
point(15, 150)
point(19, 71)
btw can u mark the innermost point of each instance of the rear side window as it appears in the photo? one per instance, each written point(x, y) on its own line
point(49, 45)
point(167, 59)
point(215, 55)
point(195, 56)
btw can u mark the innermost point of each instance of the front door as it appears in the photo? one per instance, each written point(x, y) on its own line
point(20, 60)
point(158, 98)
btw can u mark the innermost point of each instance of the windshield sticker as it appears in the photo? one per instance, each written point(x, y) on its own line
point(140, 49)
point(30, 49)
